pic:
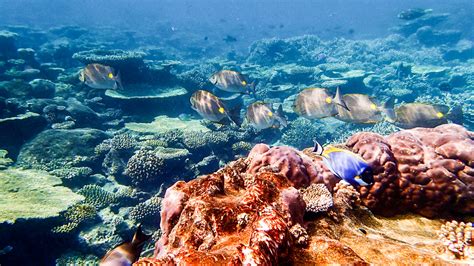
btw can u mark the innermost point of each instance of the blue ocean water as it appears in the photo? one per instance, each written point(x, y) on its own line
point(105, 104)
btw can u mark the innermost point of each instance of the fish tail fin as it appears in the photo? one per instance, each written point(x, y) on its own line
point(139, 238)
point(318, 148)
point(234, 115)
point(118, 81)
point(455, 115)
point(339, 101)
point(388, 109)
point(281, 116)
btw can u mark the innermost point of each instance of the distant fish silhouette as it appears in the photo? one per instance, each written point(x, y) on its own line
point(229, 38)
point(126, 253)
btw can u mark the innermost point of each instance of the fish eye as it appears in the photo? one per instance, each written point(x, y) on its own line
point(328, 100)
point(110, 75)
point(373, 106)
point(270, 114)
point(439, 115)
point(221, 110)
point(244, 83)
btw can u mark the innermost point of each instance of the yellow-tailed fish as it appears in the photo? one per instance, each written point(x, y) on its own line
point(126, 253)
point(346, 165)
point(412, 115)
point(362, 109)
point(232, 81)
point(98, 76)
point(315, 103)
point(261, 116)
point(212, 108)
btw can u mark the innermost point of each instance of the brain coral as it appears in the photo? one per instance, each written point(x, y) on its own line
point(291, 163)
point(425, 170)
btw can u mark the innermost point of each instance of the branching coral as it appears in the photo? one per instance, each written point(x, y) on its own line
point(144, 166)
point(300, 133)
point(74, 216)
point(146, 210)
point(97, 196)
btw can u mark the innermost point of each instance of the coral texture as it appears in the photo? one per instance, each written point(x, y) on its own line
point(229, 217)
point(423, 170)
point(457, 237)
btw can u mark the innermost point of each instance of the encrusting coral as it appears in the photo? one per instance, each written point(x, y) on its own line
point(457, 237)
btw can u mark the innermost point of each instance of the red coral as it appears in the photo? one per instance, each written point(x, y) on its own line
point(228, 217)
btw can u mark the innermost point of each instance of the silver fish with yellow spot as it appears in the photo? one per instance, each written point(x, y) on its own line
point(412, 115)
point(362, 109)
point(126, 253)
point(232, 81)
point(212, 108)
point(316, 103)
point(99, 76)
point(261, 116)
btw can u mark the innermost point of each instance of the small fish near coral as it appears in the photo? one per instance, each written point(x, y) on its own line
point(98, 76)
point(261, 116)
point(232, 81)
point(316, 103)
point(212, 108)
point(126, 253)
point(345, 164)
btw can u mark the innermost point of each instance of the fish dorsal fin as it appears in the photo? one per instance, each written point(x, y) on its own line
point(139, 237)
point(318, 148)
point(339, 101)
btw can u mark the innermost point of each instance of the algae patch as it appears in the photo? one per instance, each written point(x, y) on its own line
point(30, 194)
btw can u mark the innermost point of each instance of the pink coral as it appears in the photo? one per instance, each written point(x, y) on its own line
point(424, 170)
point(293, 164)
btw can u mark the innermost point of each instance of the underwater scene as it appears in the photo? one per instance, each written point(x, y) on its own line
point(304, 132)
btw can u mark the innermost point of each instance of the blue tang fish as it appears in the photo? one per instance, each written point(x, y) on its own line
point(346, 165)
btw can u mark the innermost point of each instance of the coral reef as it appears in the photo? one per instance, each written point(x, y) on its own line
point(250, 212)
point(63, 148)
point(150, 209)
point(97, 196)
point(74, 216)
point(144, 167)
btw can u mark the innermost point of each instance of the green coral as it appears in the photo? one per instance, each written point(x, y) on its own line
point(97, 196)
point(32, 194)
point(301, 132)
point(72, 173)
point(146, 210)
point(241, 147)
point(75, 215)
point(144, 166)
point(207, 139)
